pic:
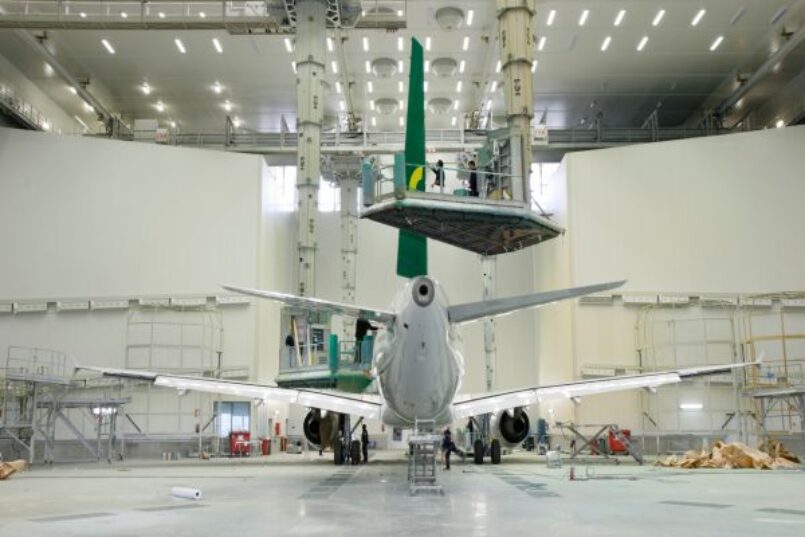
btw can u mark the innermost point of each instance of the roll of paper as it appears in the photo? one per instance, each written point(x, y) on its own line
point(186, 493)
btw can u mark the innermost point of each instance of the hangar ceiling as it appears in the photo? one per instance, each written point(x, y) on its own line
point(674, 71)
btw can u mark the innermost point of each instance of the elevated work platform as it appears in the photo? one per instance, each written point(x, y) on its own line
point(483, 226)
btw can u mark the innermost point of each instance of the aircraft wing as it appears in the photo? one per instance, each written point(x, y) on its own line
point(493, 402)
point(462, 313)
point(317, 304)
point(367, 406)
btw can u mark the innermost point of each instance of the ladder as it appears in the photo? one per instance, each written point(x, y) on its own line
point(423, 449)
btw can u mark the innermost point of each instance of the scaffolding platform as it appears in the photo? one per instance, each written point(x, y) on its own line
point(481, 225)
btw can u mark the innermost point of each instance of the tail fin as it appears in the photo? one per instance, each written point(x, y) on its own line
point(412, 248)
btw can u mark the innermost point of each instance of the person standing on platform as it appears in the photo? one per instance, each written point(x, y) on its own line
point(362, 327)
point(438, 181)
point(473, 179)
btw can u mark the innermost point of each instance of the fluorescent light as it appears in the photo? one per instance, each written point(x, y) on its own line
point(370, 86)
point(400, 66)
point(337, 86)
point(427, 43)
point(334, 66)
point(534, 65)
point(465, 45)
point(541, 44)
point(82, 15)
point(698, 18)
point(365, 44)
point(716, 43)
point(402, 104)
point(161, 15)
point(427, 65)
point(236, 122)
point(217, 45)
point(180, 45)
point(605, 44)
point(288, 45)
point(400, 43)
point(402, 122)
point(160, 106)
point(425, 86)
point(371, 105)
point(498, 66)
point(619, 17)
point(46, 125)
point(374, 121)
point(400, 86)
point(642, 44)
point(461, 66)
point(72, 90)
point(583, 18)
point(293, 66)
point(658, 18)
point(217, 87)
point(400, 13)
point(342, 105)
point(458, 86)
point(455, 104)
point(108, 46)
point(202, 14)
point(173, 124)
point(330, 44)
point(124, 15)
point(453, 121)
point(489, 104)
point(470, 16)
point(780, 124)
point(227, 105)
point(368, 66)
point(494, 86)
point(88, 107)
point(691, 406)
point(551, 17)
point(145, 88)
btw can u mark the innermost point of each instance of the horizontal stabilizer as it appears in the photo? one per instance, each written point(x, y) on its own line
point(317, 304)
point(462, 313)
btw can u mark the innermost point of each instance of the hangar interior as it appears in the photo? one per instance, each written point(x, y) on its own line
point(147, 159)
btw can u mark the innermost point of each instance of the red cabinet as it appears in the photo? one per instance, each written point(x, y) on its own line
point(239, 443)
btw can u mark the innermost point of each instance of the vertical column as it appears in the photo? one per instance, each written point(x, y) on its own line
point(515, 27)
point(311, 25)
point(488, 269)
point(349, 249)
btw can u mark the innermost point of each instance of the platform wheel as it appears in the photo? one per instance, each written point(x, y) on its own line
point(494, 451)
point(478, 451)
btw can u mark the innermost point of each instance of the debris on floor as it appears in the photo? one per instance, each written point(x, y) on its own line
point(186, 493)
point(8, 468)
point(770, 456)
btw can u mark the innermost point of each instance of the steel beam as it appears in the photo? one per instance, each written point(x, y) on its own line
point(488, 274)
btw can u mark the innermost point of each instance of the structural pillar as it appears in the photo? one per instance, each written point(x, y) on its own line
point(488, 270)
point(515, 32)
point(311, 26)
point(349, 250)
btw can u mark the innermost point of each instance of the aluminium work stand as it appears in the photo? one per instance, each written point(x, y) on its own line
point(423, 454)
point(592, 442)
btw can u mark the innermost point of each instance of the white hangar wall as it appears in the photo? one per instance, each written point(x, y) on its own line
point(695, 217)
point(85, 218)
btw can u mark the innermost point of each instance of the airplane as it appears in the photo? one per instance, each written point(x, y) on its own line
point(418, 362)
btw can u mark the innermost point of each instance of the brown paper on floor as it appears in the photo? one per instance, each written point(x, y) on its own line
point(735, 455)
point(8, 468)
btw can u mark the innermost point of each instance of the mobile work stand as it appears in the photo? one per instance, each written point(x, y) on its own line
point(423, 449)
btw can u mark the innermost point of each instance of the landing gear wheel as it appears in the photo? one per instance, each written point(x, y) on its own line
point(478, 451)
point(338, 453)
point(494, 450)
point(355, 452)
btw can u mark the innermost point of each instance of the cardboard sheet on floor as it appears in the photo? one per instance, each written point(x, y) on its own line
point(770, 456)
point(9, 468)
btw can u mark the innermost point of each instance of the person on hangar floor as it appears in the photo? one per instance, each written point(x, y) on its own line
point(473, 179)
point(362, 327)
point(438, 181)
point(448, 447)
point(365, 443)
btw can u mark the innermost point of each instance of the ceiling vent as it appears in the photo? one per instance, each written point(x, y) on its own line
point(439, 105)
point(449, 18)
point(386, 107)
point(384, 67)
point(444, 67)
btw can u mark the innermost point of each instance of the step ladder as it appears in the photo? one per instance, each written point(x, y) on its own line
point(423, 455)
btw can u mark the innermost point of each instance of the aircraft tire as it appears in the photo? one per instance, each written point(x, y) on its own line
point(494, 451)
point(355, 452)
point(338, 453)
point(478, 451)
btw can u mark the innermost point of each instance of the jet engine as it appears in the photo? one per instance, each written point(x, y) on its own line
point(511, 426)
point(321, 429)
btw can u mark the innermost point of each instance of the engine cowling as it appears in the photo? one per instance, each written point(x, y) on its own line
point(511, 427)
point(321, 429)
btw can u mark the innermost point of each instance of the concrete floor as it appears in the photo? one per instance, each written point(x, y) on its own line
point(304, 495)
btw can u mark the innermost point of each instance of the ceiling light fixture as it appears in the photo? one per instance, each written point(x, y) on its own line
point(202, 15)
point(780, 124)
point(459, 84)
point(371, 105)
point(337, 86)
point(489, 104)
point(374, 121)
point(217, 44)
point(498, 66)
point(542, 41)
point(72, 90)
point(402, 121)
point(161, 15)
point(642, 44)
point(470, 16)
point(342, 106)
point(494, 86)
point(293, 66)
point(288, 45)
point(368, 66)
point(453, 121)
point(534, 65)
point(716, 43)
point(400, 43)
point(400, 66)
point(465, 45)
point(583, 18)
point(455, 104)
point(427, 43)
point(145, 88)
point(227, 105)
point(658, 18)
point(82, 15)
point(461, 66)
point(425, 86)
point(180, 45)
point(365, 44)
point(108, 46)
point(605, 44)
point(698, 18)
point(88, 107)
point(691, 406)
point(334, 66)
point(124, 15)
point(427, 65)
point(402, 104)
point(330, 44)
point(217, 87)
point(400, 13)
point(236, 122)
point(400, 86)
point(370, 86)
point(551, 17)
point(173, 124)
point(619, 17)
point(160, 106)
